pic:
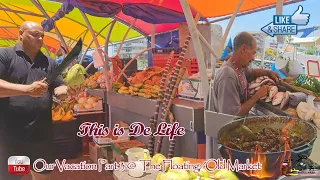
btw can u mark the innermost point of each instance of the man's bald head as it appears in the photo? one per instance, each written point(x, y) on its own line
point(243, 38)
point(30, 25)
point(31, 35)
point(245, 46)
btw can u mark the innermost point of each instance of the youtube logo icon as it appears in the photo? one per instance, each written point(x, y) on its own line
point(18, 165)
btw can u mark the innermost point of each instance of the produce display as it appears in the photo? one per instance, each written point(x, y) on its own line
point(85, 102)
point(97, 80)
point(63, 111)
point(178, 174)
point(307, 111)
point(75, 76)
point(308, 82)
point(146, 91)
point(149, 76)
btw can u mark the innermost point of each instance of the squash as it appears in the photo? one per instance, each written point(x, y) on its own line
point(67, 116)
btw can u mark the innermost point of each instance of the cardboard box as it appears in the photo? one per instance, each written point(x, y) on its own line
point(119, 149)
point(96, 152)
point(104, 140)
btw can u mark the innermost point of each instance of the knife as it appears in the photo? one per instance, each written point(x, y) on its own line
point(65, 63)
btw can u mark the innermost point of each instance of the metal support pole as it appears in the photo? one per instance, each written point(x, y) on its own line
point(131, 60)
point(201, 63)
point(125, 36)
point(279, 7)
point(97, 45)
point(153, 36)
point(38, 5)
point(225, 35)
point(205, 42)
point(106, 45)
point(84, 54)
point(263, 52)
point(21, 12)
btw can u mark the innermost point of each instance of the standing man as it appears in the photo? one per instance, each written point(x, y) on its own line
point(26, 101)
point(230, 93)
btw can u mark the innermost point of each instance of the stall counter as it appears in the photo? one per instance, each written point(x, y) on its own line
point(190, 115)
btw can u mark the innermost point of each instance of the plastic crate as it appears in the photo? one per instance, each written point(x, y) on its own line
point(193, 67)
point(160, 56)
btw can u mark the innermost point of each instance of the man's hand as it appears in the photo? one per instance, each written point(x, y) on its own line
point(274, 76)
point(37, 88)
point(263, 91)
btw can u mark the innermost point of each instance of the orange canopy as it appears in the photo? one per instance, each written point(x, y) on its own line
point(216, 8)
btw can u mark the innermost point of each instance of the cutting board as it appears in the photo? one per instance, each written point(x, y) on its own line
point(287, 111)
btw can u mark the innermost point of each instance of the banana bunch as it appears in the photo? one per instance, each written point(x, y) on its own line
point(63, 111)
point(124, 90)
point(141, 90)
point(146, 91)
point(116, 86)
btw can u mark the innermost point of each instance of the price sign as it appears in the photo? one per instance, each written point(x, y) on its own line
point(313, 68)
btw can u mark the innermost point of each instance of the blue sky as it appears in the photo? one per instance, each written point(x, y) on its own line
point(255, 21)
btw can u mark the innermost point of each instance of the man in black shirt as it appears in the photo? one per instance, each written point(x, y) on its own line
point(26, 101)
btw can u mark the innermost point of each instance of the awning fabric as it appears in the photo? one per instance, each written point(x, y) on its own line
point(218, 8)
point(72, 26)
point(166, 14)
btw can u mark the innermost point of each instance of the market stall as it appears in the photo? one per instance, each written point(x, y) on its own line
point(155, 94)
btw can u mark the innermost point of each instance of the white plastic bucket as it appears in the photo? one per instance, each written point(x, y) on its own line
point(293, 69)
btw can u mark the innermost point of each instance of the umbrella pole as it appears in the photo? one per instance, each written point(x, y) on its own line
point(106, 45)
point(84, 54)
point(97, 45)
point(132, 59)
point(38, 5)
point(205, 42)
point(124, 37)
point(200, 59)
point(229, 26)
point(153, 36)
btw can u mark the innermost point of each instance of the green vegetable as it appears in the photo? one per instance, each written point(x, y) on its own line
point(308, 82)
point(75, 76)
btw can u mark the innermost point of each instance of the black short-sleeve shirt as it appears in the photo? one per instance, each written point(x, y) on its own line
point(26, 117)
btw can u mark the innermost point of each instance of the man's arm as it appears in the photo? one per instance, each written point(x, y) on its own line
point(246, 106)
point(8, 89)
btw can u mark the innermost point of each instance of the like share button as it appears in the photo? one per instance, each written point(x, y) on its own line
point(18, 165)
